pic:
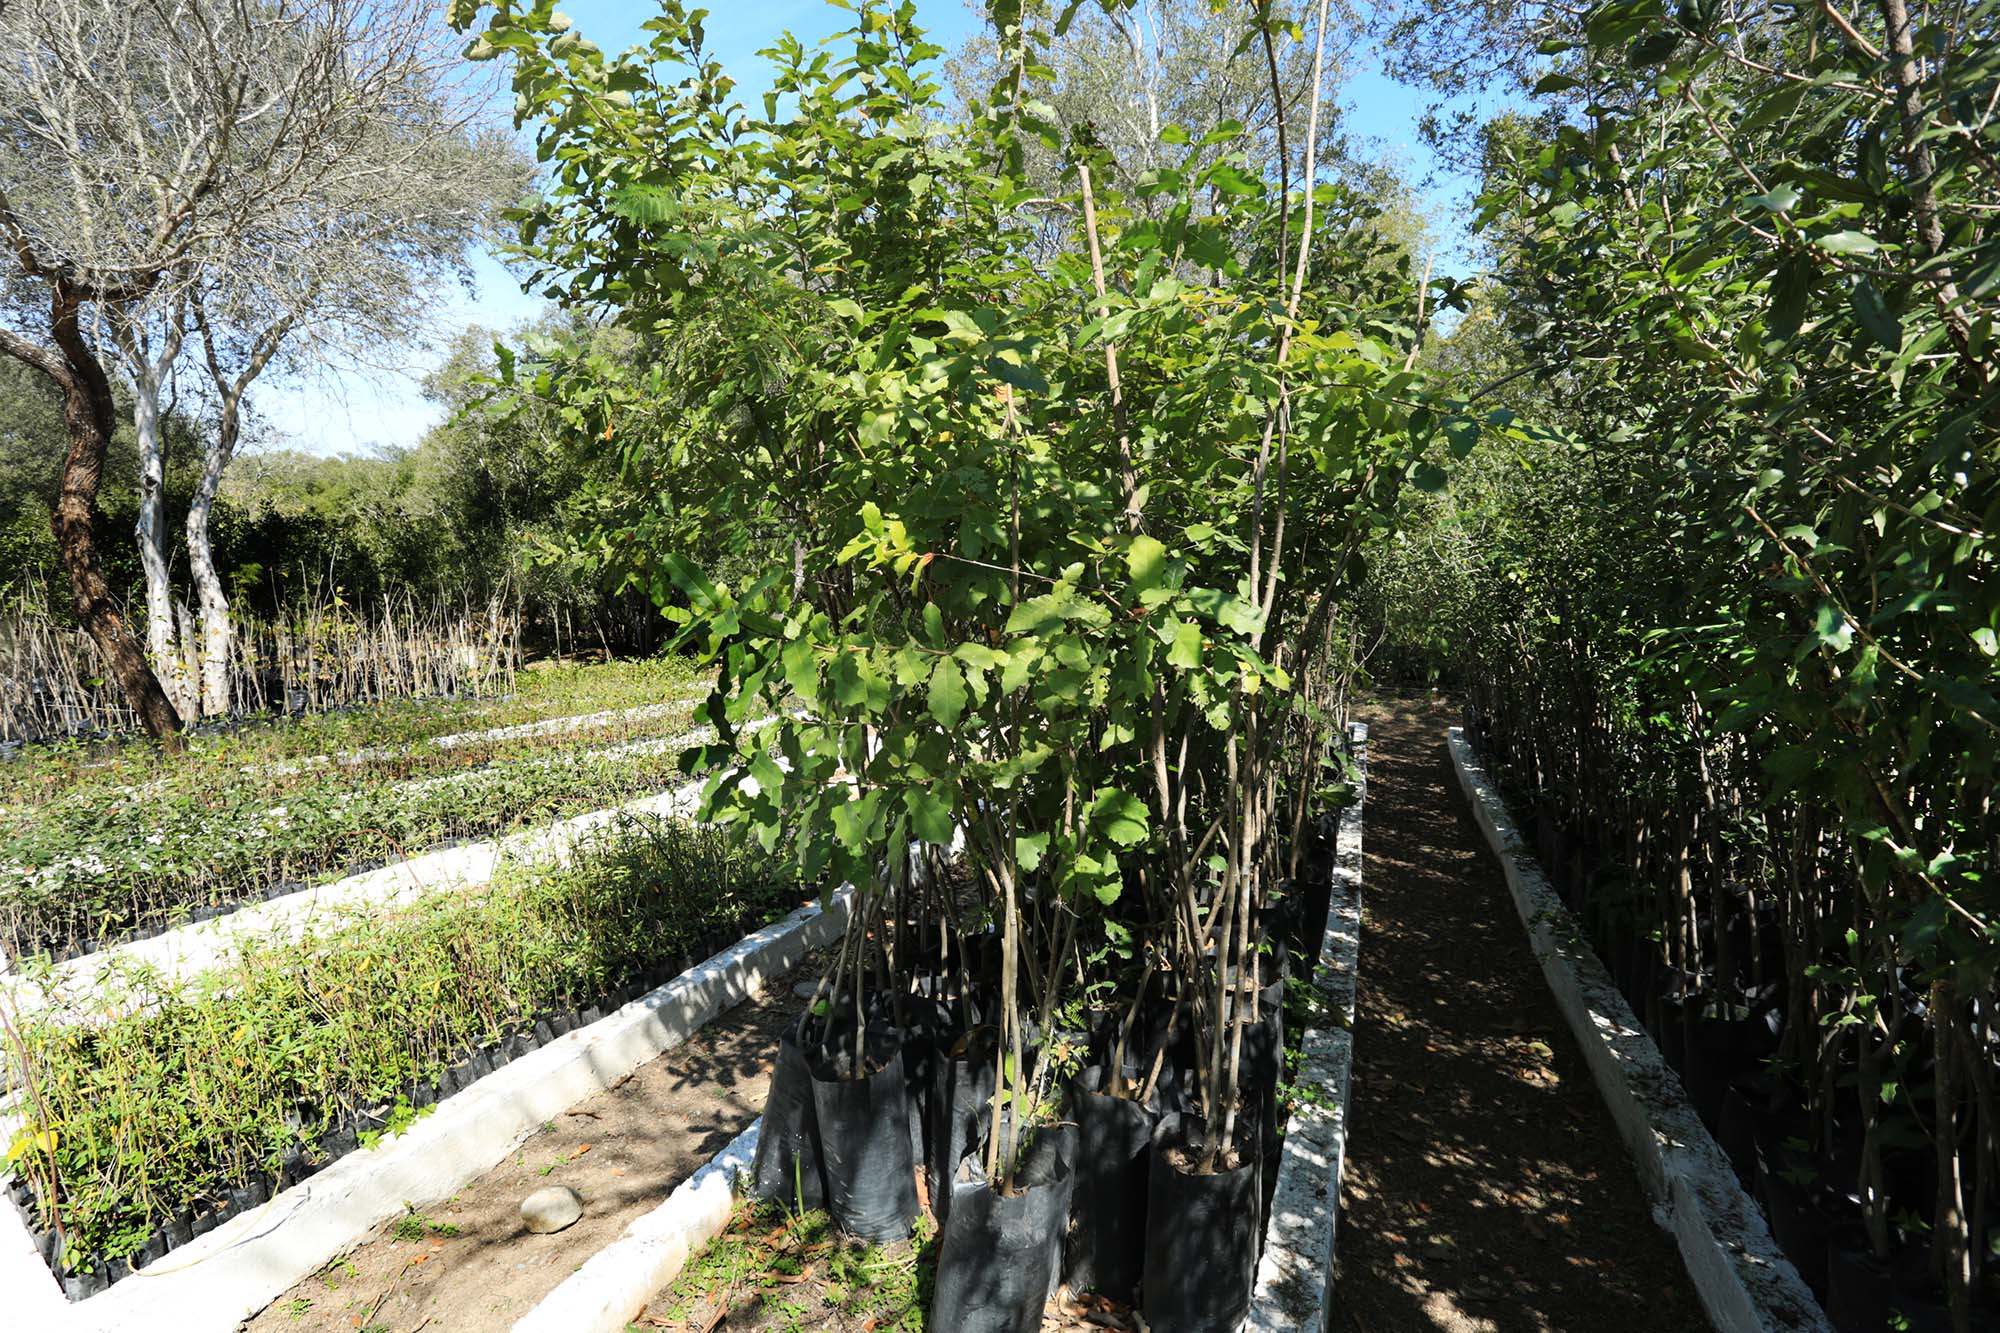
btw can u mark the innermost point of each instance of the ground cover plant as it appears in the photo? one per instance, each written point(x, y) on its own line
point(152, 1113)
point(93, 868)
point(774, 1268)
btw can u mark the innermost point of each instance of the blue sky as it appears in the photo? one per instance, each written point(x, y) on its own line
point(357, 413)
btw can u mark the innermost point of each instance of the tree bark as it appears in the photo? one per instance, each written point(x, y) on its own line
point(162, 640)
point(216, 630)
point(88, 415)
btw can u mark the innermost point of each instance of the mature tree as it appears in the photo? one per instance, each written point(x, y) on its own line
point(1126, 72)
point(142, 143)
point(348, 272)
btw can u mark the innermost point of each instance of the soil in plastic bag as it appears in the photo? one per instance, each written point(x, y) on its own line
point(1106, 1248)
point(864, 1140)
point(1201, 1231)
point(787, 1169)
point(997, 1257)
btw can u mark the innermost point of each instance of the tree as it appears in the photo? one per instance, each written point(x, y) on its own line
point(345, 273)
point(1125, 72)
point(147, 143)
point(1072, 495)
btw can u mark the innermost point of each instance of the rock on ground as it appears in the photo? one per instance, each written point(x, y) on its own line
point(551, 1209)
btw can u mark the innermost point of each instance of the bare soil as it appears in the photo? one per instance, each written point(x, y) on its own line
point(468, 1265)
point(1486, 1188)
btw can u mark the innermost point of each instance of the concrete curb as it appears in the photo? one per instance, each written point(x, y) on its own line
point(604, 1294)
point(1744, 1281)
point(1294, 1290)
point(234, 1271)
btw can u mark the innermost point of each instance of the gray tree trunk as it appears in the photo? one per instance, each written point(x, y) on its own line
point(216, 630)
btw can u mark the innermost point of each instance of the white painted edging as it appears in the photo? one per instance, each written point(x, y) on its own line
point(1745, 1282)
point(223, 1278)
point(1294, 1291)
point(604, 1294)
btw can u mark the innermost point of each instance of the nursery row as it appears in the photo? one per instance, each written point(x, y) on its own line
point(148, 1127)
point(220, 754)
point(85, 875)
point(1731, 930)
point(1101, 1147)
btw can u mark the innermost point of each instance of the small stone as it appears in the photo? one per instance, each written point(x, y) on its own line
point(551, 1209)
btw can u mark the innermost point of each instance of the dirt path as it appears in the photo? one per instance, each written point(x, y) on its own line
point(1486, 1188)
point(468, 1265)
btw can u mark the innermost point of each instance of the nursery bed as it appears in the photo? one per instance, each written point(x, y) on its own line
point(469, 1265)
point(93, 877)
point(759, 1266)
point(1744, 1280)
point(546, 696)
point(240, 1267)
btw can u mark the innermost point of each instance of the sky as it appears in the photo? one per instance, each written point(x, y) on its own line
point(361, 413)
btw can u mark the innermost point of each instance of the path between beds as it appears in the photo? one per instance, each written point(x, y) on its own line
point(1486, 1189)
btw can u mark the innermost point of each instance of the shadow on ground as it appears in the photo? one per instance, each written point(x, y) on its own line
point(1486, 1188)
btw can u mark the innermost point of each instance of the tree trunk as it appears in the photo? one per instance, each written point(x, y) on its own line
point(88, 415)
point(148, 373)
point(214, 603)
point(162, 643)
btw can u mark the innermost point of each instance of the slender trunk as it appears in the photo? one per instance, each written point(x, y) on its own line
point(1951, 1250)
point(162, 640)
point(88, 416)
point(149, 372)
point(214, 603)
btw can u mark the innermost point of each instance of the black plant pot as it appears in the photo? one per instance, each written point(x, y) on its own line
point(961, 1087)
point(1857, 1284)
point(1736, 1132)
point(999, 1252)
point(864, 1141)
point(788, 1166)
point(1797, 1224)
point(1106, 1249)
point(1201, 1233)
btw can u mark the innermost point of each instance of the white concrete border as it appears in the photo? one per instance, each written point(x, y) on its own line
point(1294, 1291)
point(604, 1294)
point(221, 1279)
point(1745, 1282)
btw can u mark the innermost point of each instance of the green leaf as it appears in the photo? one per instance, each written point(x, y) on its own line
point(1848, 243)
point(1029, 849)
point(947, 693)
point(1146, 558)
point(930, 816)
point(1882, 324)
point(1780, 198)
point(1652, 48)
point(1185, 649)
point(1229, 179)
point(1119, 816)
point(1428, 476)
point(1791, 287)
